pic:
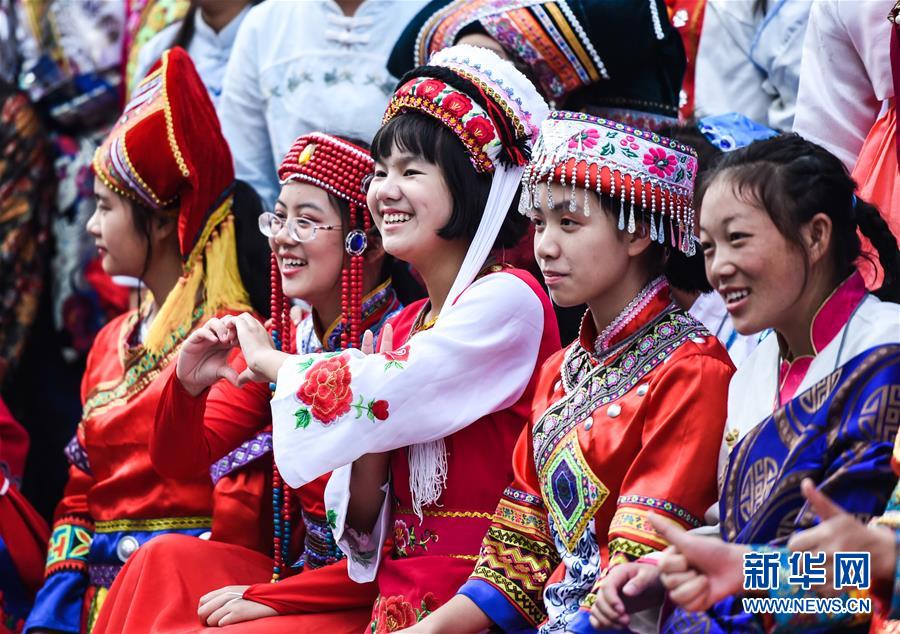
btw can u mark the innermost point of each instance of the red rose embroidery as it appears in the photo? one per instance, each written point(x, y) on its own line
point(481, 129)
point(457, 104)
point(430, 603)
point(327, 389)
point(394, 614)
point(380, 410)
point(430, 88)
point(400, 354)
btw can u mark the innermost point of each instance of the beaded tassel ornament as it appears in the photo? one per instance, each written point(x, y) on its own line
point(281, 507)
point(647, 176)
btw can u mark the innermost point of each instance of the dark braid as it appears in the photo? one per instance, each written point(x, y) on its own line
point(793, 180)
point(873, 226)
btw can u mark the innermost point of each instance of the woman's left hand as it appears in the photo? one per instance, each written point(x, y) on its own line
point(263, 360)
point(227, 605)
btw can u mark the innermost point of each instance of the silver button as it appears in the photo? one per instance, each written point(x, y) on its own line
point(588, 423)
point(698, 340)
point(643, 389)
point(126, 547)
point(614, 410)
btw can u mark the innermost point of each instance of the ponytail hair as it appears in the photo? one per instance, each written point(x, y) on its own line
point(793, 180)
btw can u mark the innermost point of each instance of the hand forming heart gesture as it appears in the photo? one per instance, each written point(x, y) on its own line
point(203, 359)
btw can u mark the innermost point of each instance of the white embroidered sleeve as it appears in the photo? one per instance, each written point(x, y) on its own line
point(328, 410)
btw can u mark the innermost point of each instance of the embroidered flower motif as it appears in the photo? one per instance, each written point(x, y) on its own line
point(393, 614)
point(401, 537)
point(380, 410)
point(659, 164)
point(456, 103)
point(430, 88)
point(374, 409)
point(406, 542)
point(396, 358)
point(481, 129)
point(629, 141)
point(326, 390)
point(586, 138)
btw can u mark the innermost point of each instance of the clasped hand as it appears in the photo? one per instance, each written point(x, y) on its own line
point(203, 359)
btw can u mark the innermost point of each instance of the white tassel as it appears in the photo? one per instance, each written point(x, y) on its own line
point(427, 473)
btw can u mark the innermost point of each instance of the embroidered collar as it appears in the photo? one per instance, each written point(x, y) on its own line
point(831, 317)
point(632, 317)
point(833, 314)
point(377, 306)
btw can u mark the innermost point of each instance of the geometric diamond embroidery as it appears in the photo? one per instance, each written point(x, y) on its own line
point(572, 492)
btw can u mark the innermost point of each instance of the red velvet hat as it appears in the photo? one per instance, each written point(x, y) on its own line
point(167, 148)
point(166, 152)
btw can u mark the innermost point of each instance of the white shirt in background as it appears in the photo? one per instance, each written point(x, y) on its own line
point(208, 50)
point(845, 77)
point(749, 62)
point(300, 67)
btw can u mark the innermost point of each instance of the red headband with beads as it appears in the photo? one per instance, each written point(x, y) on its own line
point(340, 168)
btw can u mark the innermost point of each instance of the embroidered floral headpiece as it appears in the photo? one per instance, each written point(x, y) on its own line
point(489, 105)
point(649, 174)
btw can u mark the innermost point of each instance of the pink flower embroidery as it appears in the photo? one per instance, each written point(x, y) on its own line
point(587, 138)
point(658, 163)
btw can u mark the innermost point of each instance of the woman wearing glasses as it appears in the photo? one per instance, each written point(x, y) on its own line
point(325, 251)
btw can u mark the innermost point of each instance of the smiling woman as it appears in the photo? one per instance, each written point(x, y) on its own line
point(435, 420)
point(779, 221)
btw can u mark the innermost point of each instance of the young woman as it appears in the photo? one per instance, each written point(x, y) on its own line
point(434, 421)
point(164, 196)
point(610, 205)
point(326, 252)
point(779, 222)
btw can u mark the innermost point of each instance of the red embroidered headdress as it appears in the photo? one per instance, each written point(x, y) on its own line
point(166, 152)
point(340, 168)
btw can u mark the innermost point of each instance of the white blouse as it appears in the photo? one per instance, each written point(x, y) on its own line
point(300, 67)
point(750, 63)
point(845, 77)
point(208, 50)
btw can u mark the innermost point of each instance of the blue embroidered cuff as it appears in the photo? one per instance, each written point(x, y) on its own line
point(58, 603)
point(495, 604)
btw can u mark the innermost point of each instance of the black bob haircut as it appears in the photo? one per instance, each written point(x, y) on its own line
point(423, 135)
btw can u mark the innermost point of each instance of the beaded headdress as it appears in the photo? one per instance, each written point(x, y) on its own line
point(650, 176)
point(167, 153)
point(340, 168)
point(627, 51)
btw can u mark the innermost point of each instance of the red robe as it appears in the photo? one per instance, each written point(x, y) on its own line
point(190, 434)
point(114, 501)
point(23, 533)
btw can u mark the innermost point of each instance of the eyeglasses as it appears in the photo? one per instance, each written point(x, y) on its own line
point(299, 229)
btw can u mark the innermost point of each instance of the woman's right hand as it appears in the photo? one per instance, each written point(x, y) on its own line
point(203, 359)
